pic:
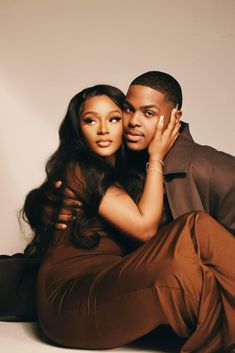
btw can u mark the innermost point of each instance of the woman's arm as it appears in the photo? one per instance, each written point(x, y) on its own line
point(117, 207)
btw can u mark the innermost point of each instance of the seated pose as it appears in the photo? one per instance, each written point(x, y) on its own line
point(94, 291)
point(196, 178)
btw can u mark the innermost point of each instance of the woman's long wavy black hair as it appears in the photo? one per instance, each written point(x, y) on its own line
point(97, 176)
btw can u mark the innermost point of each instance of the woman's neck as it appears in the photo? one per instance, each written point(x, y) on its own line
point(111, 160)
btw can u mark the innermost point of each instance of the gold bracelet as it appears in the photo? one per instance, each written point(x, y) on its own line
point(157, 170)
point(158, 160)
point(152, 168)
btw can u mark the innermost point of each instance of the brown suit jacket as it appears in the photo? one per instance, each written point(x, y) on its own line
point(200, 178)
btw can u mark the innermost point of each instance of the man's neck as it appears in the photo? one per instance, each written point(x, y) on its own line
point(137, 159)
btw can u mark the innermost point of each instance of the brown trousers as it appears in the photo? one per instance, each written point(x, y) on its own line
point(184, 276)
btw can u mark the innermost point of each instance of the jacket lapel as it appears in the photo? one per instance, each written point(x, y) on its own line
point(180, 186)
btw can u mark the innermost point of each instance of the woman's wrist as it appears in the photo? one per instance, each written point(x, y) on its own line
point(156, 155)
point(155, 164)
point(154, 159)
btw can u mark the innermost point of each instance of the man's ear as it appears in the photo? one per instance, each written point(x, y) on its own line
point(178, 114)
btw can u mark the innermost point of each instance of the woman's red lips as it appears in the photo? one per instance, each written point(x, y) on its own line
point(103, 143)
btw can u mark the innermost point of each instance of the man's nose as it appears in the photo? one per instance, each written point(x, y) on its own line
point(135, 119)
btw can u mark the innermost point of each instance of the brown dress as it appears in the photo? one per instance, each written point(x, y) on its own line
point(103, 298)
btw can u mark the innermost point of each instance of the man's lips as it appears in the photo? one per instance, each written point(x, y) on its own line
point(133, 135)
point(103, 143)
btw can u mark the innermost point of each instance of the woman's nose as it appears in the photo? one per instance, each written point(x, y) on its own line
point(103, 129)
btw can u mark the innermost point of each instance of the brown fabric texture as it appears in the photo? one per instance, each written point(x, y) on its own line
point(200, 178)
point(103, 298)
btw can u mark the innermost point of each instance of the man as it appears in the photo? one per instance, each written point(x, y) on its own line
point(196, 177)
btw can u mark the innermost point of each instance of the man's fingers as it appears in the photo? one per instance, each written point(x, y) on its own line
point(72, 203)
point(58, 184)
point(69, 193)
point(66, 211)
point(47, 215)
point(65, 218)
point(60, 226)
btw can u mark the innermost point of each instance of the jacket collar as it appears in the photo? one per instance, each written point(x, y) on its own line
point(178, 158)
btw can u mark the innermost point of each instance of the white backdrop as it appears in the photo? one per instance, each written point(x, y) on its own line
point(50, 49)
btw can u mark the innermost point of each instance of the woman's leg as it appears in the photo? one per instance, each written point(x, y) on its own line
point(166, 281)
point(160, 283)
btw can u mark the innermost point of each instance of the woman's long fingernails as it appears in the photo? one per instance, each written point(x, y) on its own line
point(161, 120)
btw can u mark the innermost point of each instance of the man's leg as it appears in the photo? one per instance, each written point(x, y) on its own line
point(216, 248)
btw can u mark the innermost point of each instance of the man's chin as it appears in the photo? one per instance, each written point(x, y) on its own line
point(135, 146)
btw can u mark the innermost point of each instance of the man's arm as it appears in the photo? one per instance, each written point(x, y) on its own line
point(51, 206)
point(71, 207)
point(222, 190)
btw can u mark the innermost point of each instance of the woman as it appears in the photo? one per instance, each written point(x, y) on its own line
point(91, 292)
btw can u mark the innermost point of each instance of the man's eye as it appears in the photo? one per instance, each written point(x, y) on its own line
point(89, 121)
point(115, 119)
point(149, 114)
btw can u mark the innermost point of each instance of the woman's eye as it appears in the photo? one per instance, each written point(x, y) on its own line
point(89, 121)
point(149, 114)
point(115, 119)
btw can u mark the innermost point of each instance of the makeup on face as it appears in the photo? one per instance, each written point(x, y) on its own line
point(101, 125)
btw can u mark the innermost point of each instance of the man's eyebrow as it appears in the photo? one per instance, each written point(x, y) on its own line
point(148, 106)
point(126, 103)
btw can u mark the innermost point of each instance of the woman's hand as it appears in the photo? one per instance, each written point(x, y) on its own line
point(164, 140)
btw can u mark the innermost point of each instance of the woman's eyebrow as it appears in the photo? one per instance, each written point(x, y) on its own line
point(97, 114)
point(90, 112)
point(115, 111)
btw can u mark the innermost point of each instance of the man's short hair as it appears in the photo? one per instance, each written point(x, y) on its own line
point(162, 82)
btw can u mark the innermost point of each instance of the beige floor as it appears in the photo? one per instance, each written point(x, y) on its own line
point(27, 338)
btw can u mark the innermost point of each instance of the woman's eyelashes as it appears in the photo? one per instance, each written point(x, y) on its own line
point(91, 121)
point(115, 119)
